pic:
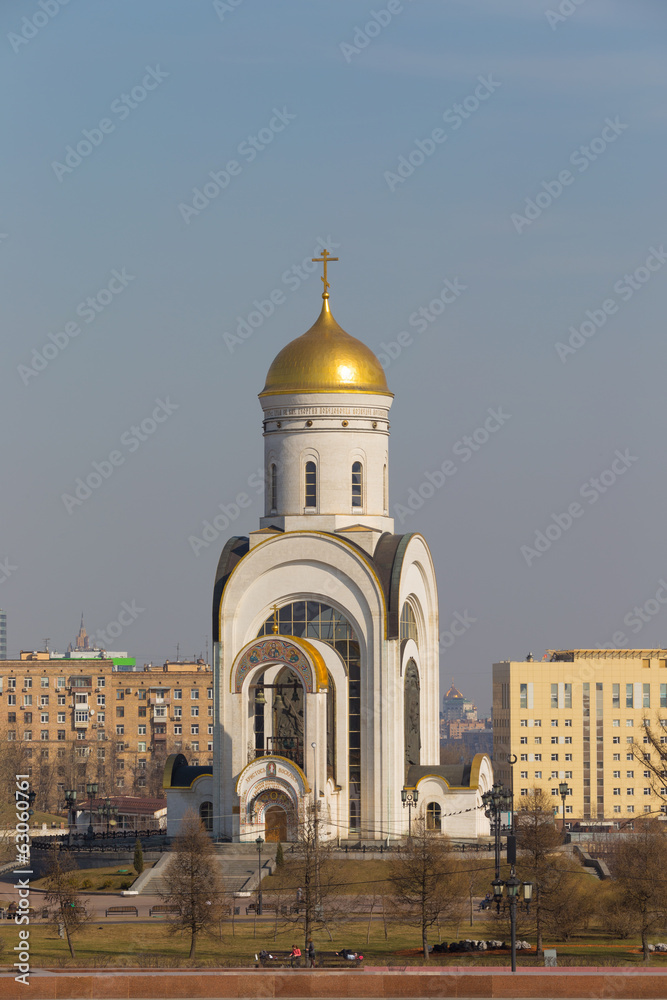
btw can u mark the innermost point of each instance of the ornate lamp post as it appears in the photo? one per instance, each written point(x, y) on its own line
point(563, 791)
point(259, 842)
point(70, 805)
point(513, 884)
point(497, 801)
point(108, 811)
point(409, 798)
point(91, 792)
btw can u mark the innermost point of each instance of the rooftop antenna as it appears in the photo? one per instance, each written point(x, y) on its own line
point(207, 649)
point(178, 652)
point(46, 644)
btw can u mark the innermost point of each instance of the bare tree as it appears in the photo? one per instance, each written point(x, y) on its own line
point(62, 893)
point(194, 880)
point(638, 862)
point(539, 840)
point(426, 880)
point(314, 871)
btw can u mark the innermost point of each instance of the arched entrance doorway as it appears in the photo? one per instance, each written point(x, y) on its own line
point(275, 824)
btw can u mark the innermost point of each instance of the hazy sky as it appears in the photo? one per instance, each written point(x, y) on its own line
point(531, 148)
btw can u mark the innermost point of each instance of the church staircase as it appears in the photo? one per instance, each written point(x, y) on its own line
point(237, 864)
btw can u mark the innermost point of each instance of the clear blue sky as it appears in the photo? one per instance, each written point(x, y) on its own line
point(360, 101)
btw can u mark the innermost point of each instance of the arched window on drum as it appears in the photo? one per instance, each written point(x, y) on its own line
point(433, 816)
point(206, 816)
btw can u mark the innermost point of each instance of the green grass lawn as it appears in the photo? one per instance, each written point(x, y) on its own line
point(112, 878)
point(151, 945)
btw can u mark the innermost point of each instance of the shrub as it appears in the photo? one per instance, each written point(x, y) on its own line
point(280, 857)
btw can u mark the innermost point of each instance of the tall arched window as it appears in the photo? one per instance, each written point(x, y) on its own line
point(311, 484)
point(433, 816)
point(409, 623)
point(273, 487)
point(357, 485)
point(412, 716)
point(206, 816)
point(313, 619)
point(385, 498)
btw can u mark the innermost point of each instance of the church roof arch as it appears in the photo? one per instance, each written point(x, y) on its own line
point(298, 654)
point(308, 555)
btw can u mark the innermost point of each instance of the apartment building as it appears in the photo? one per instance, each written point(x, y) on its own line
point(579, 716)
point(69, 722)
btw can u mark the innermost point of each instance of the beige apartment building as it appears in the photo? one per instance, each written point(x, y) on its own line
point(67, 722)
point(579, 716)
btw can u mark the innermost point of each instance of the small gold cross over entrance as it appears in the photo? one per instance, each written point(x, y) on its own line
point(324, 259)
point(275, 619)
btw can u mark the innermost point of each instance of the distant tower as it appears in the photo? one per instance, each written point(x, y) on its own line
point(3, 635)
point(82, 640)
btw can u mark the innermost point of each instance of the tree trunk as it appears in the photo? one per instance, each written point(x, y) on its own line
point(193, 944)
point(425, 941)
point(368, 929)
point(538, 929)
point(647, 954)
point(69, 939)
point(384, 920)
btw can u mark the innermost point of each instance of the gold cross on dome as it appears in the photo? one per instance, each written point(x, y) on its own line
point(275, 619)
point(324, 259)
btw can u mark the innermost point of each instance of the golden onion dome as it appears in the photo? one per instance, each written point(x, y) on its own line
point(326, 359)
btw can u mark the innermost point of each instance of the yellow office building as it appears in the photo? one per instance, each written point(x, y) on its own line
point(579, 716)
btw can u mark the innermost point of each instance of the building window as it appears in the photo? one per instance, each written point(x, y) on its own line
point(311, 485)
point(27, 736)
point(12, 717)
point(646, 664)
point(11, 699)
point(141, 731)
point(538, 739)
point(100, 682)
point(141, 713)
point(617, 756)
point(11, 683)
point(44, 735)
point(194, 694)
point(568, 723)
point(568, 739)
point(524, 739)
point(44, 682)
point(647, 791)
point(141, 748)
point(629, 774)
point(120, 712)
point(178, 694)
point(629, 696)
point(433, 816)
point(206, 816)
point(631, 809)
point(101, 699)
point(27, 717)
point(616, 739)
point(616, 696)
point(523, 696)
point(646, 696)
point(538, 756)
point(554, 756)
point(568, 696)
point(61, 734)
point(178, 730)
point(568, 756)
point(44, 717)
point(120, 730)
point(554, 696)
point(538, 774)
point(273, 487)
point(629, 791)
point(524, 774)
point(524, 791)
point(194, 711)
point(357, 484)
point(142, 694)
point(554, 723)
point(195, 747)
point(194, 730)
point(27, 682)
point(408, 623)
point(616, 774)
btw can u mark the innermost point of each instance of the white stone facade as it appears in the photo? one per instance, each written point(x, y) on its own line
point(338, 703)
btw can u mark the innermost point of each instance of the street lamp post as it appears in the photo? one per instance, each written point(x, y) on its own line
point(513, 884)
point(70, 805)
point(91, 792)
point(409, 798)
point(107, 810)
point(564, 791)
point(259, 842)
point(496, 801)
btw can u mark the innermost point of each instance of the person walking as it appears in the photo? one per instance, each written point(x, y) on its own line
point(310, 954)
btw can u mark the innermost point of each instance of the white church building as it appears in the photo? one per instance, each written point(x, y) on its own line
point(325, 629)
